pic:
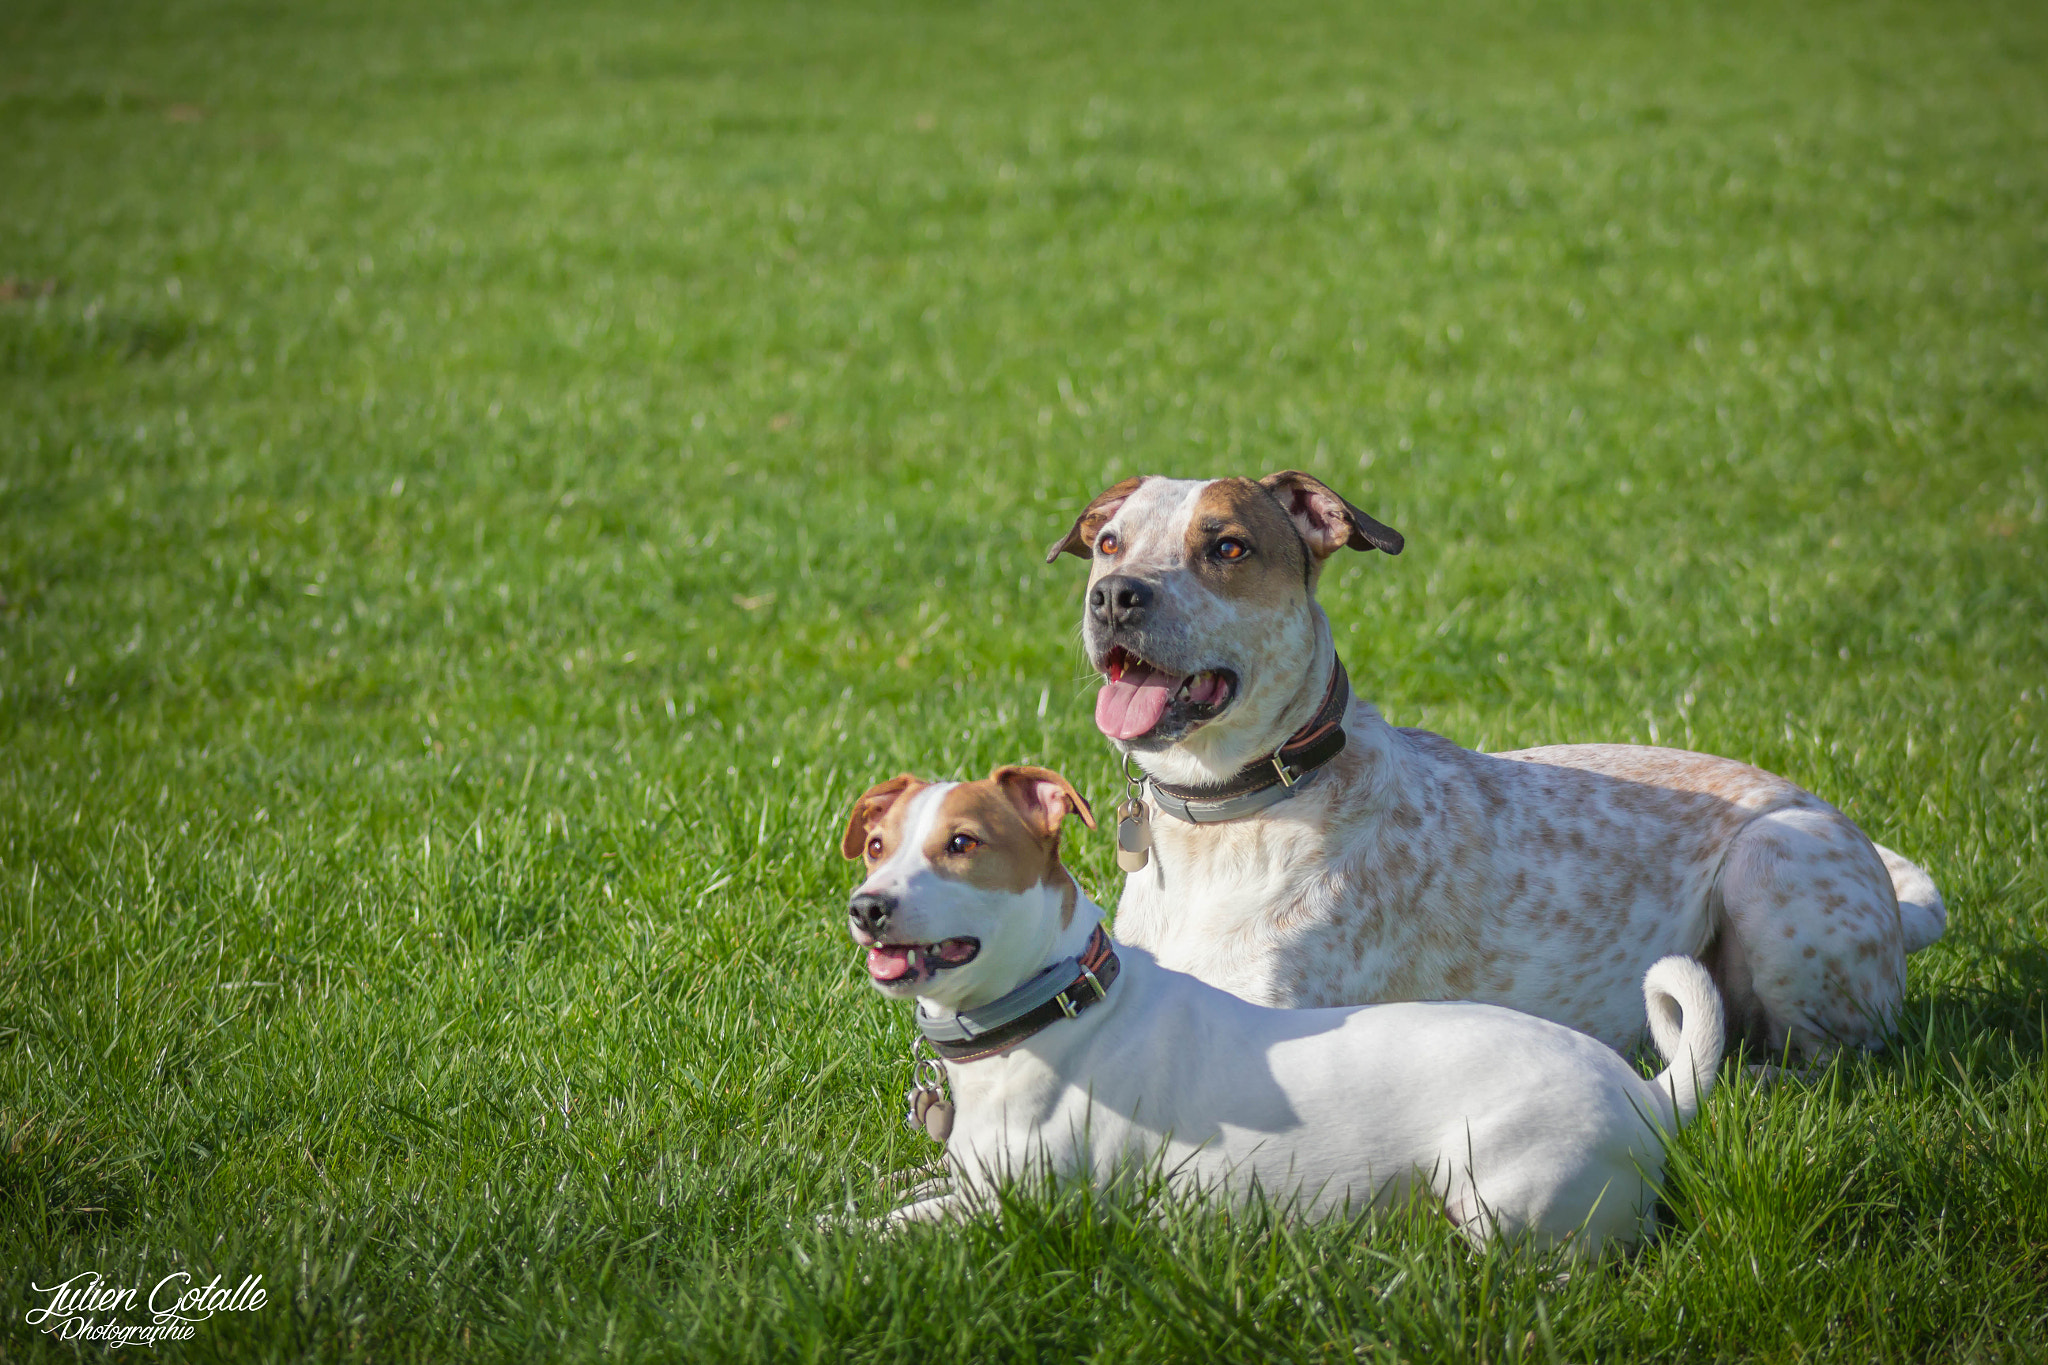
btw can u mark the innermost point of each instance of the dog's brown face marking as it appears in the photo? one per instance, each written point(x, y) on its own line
point(1080, 537)
point(877, 819)
point(979, 838)
point(1243, 547)
point(1001, 833)
point(1327, 520)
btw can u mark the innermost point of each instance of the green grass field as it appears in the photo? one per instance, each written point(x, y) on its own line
point(482, 489)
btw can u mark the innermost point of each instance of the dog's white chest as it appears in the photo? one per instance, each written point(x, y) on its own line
point(1223, 913)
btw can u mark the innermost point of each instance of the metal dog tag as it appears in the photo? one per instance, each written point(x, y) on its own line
point(938, 1121)
point(1133, 836)
point(929, 1114)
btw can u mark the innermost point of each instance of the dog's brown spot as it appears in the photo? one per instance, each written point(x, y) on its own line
point(1008, 855)
point(1080, 537)
point(1271, 573)
point(1326, 520)
point(1487, 779)
point(879, 810)
point(1012, 846)
point(1399, 862)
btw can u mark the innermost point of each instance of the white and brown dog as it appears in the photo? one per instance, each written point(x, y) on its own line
point(1097, 1062)
point(1399, 866)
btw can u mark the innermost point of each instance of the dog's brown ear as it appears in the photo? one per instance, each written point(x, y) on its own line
point(1326, 521)
point(1080, 537)
point(873, 804)
point(1042, 797)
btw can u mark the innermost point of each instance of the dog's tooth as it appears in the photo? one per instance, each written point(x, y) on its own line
point(913, 958)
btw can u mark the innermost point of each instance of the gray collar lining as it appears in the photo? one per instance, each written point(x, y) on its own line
point(968, 1025)
point(1199, 812)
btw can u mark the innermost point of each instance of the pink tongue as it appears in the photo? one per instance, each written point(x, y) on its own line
point(1133, 704)
point(889, 963)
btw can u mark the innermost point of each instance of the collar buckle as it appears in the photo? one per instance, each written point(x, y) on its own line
point(1288, 776)
point(1053, 994)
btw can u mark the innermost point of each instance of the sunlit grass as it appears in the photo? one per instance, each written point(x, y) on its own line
point(481, 490)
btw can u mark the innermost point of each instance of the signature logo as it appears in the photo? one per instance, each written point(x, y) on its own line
point(85, 1307)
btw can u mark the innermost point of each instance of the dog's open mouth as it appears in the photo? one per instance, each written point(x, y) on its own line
point(1138, 699)
point(913, 964)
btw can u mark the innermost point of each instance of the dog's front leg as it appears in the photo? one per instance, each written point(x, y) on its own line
point(950, 1206)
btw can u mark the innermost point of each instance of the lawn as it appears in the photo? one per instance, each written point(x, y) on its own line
point(482, 488)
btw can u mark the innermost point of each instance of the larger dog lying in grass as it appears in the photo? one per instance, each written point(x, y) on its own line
point(1062, 1054)
point(1304, 852)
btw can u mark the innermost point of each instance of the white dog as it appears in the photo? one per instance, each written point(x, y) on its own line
point(1292, 847)
point(1064, 1052)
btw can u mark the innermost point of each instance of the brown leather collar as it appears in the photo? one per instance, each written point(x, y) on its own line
point(1251, 788)
point(1085, 982)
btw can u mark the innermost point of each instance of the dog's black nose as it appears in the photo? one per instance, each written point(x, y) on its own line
point(871, 912)
point(1119, 601)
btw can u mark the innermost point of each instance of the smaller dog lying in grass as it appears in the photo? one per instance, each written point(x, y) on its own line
point(1067, 1053)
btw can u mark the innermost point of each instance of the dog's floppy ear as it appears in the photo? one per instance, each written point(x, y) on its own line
point(873, 804)
point(1042, 797)
point(1326, 521)
point(1080, 537)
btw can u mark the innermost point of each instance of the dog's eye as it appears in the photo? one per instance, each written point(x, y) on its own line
point(1108, 544)
point(962, 843)
point(1232, 549)
point(875, 847)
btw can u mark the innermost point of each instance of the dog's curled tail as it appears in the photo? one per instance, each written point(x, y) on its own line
point(1685, 1019)
point(1922, 916)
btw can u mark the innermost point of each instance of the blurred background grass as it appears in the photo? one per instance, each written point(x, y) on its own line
point(482, 486)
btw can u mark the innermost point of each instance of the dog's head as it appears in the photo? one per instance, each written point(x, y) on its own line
point(964, 894)
point(1201, 612)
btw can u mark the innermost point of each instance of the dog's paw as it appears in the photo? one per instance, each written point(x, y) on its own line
point(946, 1206)
point(916, 1178)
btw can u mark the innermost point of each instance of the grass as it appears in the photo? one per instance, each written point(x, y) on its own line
point(482, 488)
